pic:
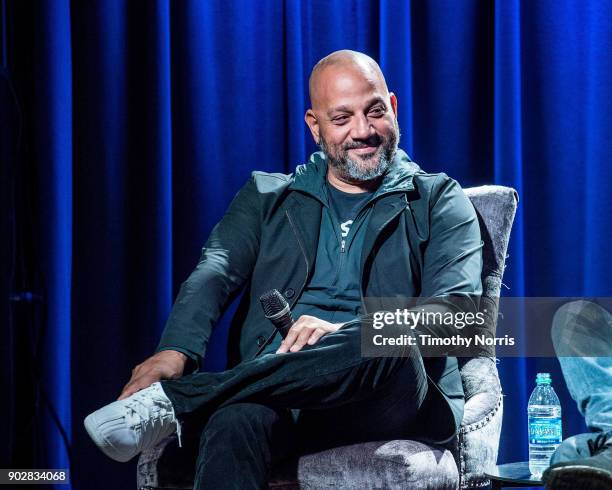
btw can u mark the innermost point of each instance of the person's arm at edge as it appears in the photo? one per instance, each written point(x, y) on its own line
point(226, 262)
point(452, 262)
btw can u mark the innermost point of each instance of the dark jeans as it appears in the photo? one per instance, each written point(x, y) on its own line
point(341, 398)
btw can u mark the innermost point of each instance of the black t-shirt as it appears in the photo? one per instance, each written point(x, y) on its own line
point(345, 208)
point(333, 292)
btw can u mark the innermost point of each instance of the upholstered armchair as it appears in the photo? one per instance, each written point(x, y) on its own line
point(397, 464)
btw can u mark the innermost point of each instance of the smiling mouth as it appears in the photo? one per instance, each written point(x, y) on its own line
point(366, 150)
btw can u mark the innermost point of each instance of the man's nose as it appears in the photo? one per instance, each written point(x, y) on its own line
point(362, 129)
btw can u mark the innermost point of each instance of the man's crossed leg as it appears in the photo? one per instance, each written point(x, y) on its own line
point(342, 397)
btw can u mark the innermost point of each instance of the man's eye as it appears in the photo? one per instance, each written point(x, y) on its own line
point(377, 111)
point(340, 119)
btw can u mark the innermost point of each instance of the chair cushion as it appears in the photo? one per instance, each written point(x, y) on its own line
point(395, 464)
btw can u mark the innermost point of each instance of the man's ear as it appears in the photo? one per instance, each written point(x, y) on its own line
point(393, 99)
point(313, 124)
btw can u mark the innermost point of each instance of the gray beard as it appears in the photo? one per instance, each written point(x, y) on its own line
point(352, 171)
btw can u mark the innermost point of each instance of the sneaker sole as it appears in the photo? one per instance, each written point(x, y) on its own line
point(578, 478)
point(90, 426)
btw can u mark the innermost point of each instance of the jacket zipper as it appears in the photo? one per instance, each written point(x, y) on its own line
point(297, 237)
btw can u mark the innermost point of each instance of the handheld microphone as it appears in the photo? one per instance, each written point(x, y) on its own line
point(277, 310)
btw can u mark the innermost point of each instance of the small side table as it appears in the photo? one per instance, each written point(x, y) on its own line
point(512, 475)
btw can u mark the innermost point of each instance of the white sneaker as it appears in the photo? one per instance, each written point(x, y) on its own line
point(124, 428)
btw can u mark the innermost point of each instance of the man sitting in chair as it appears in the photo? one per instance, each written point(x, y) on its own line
point(359, 220)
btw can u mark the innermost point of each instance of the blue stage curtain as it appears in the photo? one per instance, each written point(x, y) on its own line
point(143, 118)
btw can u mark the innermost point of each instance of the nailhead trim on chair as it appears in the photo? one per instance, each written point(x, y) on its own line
point(471, 428)
point(483, 422)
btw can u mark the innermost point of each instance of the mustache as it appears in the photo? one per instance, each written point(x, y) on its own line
point(374, 140)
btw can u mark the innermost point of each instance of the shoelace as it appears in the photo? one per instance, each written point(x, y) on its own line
point(139, 401)
point(600, 443)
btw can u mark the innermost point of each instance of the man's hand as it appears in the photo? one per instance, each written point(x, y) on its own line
point(167, 364)
point(306, 330)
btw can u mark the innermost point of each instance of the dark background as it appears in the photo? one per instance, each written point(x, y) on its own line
point(127, 127)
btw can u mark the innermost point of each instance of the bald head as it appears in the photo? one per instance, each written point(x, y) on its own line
point(339, 61)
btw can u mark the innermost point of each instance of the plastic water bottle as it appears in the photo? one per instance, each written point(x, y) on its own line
point(544, 413)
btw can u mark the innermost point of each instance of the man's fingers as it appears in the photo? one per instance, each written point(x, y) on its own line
point(302, 339)
point(132, 388)
point(136, 385)
point(289, 340)
point(284, 347)
point(127, 391)
point(306, 330)
point(163, 365)
point(316, 335)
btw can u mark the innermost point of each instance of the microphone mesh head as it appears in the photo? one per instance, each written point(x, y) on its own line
point(272, 302)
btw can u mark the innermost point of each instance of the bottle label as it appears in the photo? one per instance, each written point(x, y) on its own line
point(544, 430)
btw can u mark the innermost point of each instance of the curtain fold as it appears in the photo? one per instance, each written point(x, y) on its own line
point(143, 118)
point(52, 147)
point(508, 170)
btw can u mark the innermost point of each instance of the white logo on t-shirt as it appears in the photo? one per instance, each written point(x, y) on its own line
point(345, 228)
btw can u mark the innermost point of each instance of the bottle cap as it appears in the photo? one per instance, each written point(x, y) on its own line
point(543, 378)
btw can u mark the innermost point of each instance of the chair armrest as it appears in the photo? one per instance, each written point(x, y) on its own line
point(478, 445)
point(478, 438)
point(481, 387)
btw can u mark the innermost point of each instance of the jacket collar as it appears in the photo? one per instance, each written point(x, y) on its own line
point(304, 212)
point(310, 177)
